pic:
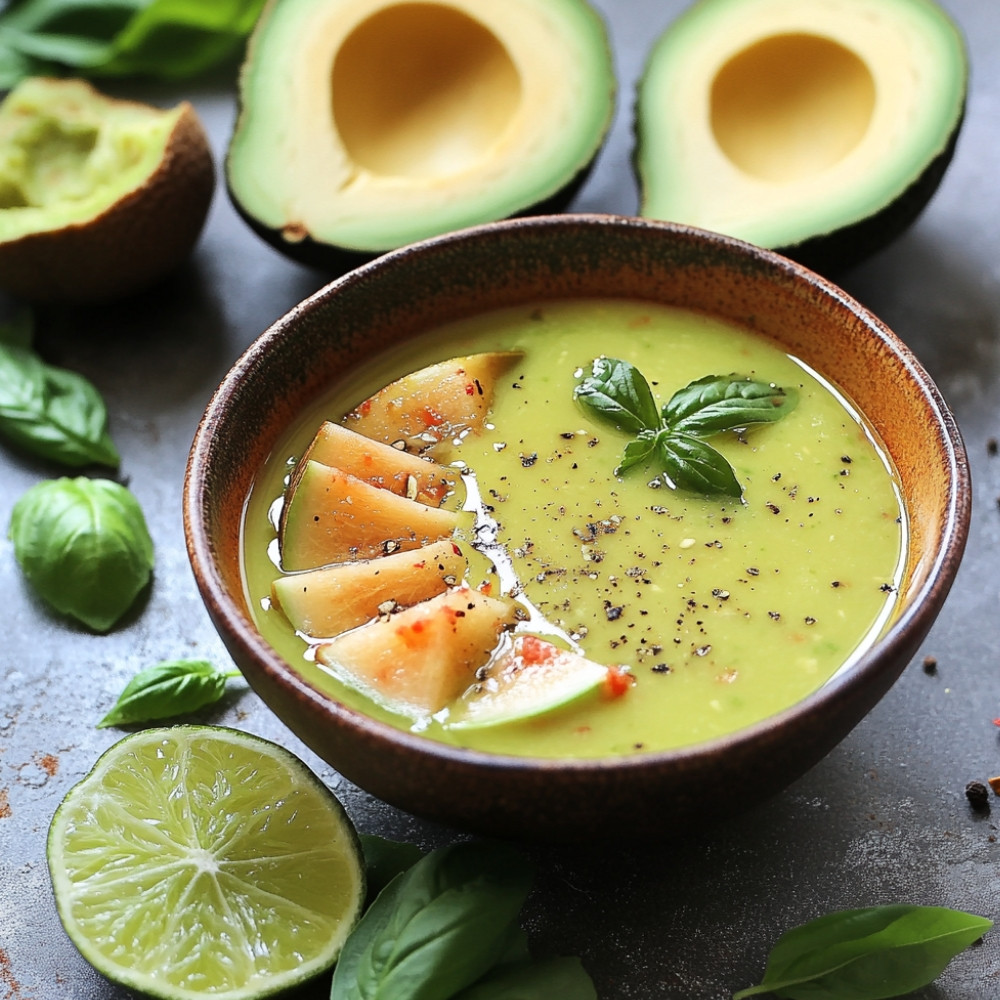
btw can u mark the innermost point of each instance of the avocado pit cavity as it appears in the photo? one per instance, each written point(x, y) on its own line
point(791, 106)
point(422, 91)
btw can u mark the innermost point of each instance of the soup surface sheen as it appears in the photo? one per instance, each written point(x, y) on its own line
point(724, 611)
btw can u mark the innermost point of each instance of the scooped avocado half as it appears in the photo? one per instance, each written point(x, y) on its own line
point(819, 128)
point(367, 124)
point(98, 197)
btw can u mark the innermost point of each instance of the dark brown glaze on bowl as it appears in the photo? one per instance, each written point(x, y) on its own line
point(419, 287)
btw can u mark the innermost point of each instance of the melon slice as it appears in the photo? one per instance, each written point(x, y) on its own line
point(433, 404)
point(534, 677)
point(421, 659)
point(326, 602)
point(331, 517)
point(380, 464)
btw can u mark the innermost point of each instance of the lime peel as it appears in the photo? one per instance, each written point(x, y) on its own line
point(198, 860)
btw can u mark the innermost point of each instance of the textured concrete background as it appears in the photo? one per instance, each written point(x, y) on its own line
point(882, 819)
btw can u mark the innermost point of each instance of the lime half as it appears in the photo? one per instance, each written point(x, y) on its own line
point(196, 860)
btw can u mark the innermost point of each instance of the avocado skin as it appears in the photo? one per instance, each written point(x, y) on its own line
point(335, 261)
point(834, 252)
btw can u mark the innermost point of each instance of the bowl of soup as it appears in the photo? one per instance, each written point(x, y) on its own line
point(562, 526)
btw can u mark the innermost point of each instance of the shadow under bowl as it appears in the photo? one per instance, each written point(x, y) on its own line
point(422, 286)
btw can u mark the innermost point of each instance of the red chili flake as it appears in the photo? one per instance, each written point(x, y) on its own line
point(533, 651)
point(431, 417)
point(470, 389)
point(617, 682)
point(365, 408)
point(996, 722)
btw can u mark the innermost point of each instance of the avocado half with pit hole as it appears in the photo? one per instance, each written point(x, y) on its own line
point(366, 124)
point(819, 128)
point(99, 197)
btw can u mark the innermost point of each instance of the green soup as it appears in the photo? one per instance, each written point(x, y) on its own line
point(724, 611)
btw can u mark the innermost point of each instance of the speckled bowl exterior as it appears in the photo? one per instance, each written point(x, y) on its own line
point(418, 287)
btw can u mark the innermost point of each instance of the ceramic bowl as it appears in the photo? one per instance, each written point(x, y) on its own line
point(421, 286)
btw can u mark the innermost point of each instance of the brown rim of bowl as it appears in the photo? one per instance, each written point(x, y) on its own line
point(897, 642)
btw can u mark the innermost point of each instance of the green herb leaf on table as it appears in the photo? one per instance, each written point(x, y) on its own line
point(49, 411)
point(170, 39)
point(437, 928)
point(385, 859)
point(867, 954)
point(562, 978)
point(84, 546)
point(175, 687)
point(673, 438)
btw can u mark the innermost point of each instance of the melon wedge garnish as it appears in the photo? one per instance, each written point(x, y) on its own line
point(419, 660)
point(434, 404)
point(534, 677)
point(325, 602)
point(380, 464)
point(331, 517)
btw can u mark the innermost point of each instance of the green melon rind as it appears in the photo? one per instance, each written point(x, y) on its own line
point(64, 890)
point(577, 680)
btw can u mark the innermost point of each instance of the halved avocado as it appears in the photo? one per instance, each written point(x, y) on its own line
point(819, 129)
point(368, 124)
point(98, 197)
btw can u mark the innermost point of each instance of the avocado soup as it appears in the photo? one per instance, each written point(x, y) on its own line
point(722, 611)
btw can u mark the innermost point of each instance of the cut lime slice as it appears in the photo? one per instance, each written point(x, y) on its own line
point(195, 861)
point(533, 677)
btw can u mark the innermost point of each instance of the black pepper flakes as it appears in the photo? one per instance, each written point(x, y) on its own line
point(773, 508)
point(991, 446)
point(613, 612)
point(978, 795)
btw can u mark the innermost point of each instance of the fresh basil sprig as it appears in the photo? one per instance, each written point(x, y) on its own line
point(49, 411)
point(867, 954)
point(162, 38)
point(84, 546)
point(175, 687)
point(673, 438)
point(447, 929)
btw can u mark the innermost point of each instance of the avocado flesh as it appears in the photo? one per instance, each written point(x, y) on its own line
point(816, 128)
point(67, 153)
point(368, 125)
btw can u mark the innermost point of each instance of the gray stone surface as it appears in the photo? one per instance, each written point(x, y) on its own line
point(882, 819)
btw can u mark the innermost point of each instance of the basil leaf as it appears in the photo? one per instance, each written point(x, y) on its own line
point(19, 331)
point(617, 392)
point(84, 546)
point(718, 403)
point(180, 38)
point(167, 689)
point(867, 954)
point(437, 928)
point(638, 451)
point(385, 859)
point(52, 412)
point(691, 464)
point(564, 978)
point(162, 38)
